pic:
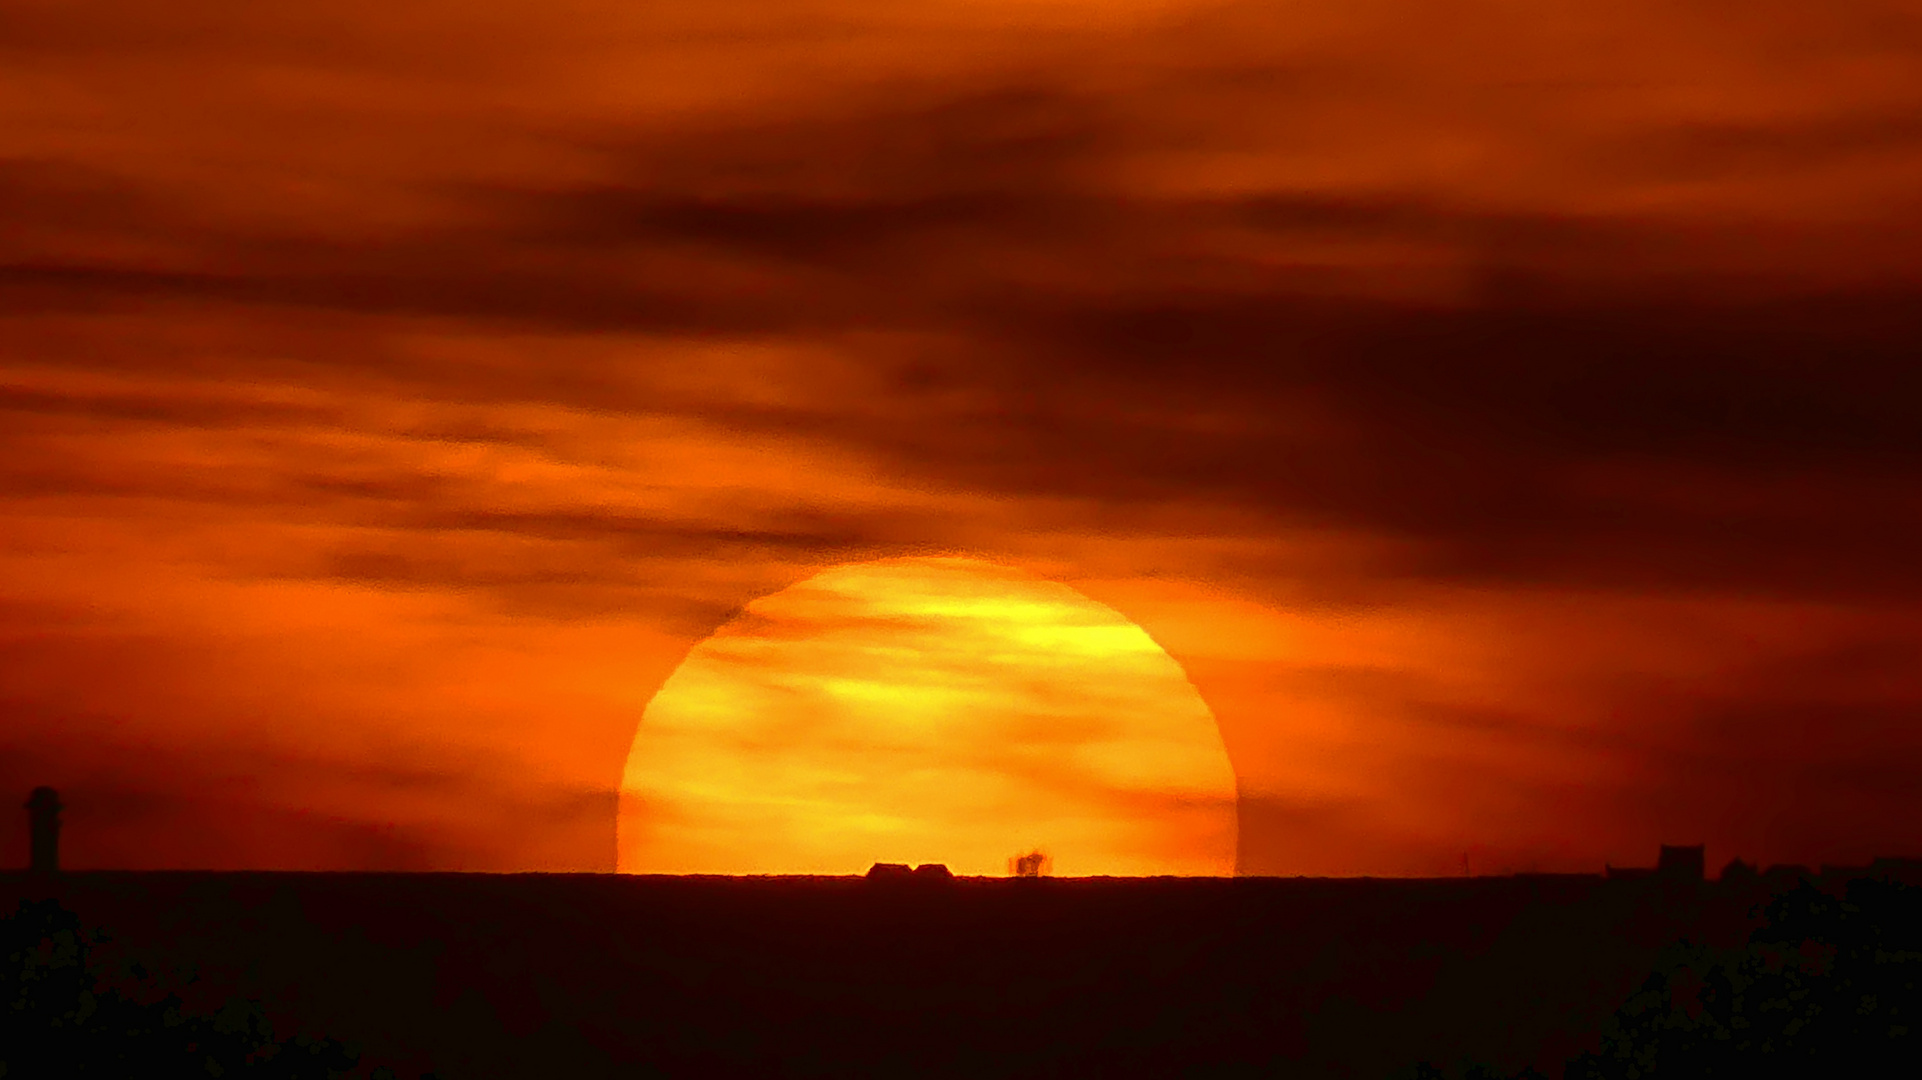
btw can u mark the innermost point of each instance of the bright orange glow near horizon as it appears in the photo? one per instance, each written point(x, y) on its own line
point(928, 710)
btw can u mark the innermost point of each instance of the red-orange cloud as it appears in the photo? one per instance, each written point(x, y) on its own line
point(1508, 417)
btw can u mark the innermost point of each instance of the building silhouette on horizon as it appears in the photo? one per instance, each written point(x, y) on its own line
point(1685, 862)
point(925, 872)
point(1676, 862)
point(43, 828)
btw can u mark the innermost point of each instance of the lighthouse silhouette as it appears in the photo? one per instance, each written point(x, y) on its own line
point(43, 824)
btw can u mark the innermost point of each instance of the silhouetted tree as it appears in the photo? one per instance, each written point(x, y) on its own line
point(59, 1017)
point(1827, 986)
point(1033, 864)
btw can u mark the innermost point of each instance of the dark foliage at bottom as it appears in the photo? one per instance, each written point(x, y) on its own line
point(61, 1017)
point(1827, 986)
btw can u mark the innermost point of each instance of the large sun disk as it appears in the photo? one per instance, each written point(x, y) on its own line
point(927, 710)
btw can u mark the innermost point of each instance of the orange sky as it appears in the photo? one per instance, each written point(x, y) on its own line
point(1506, 413)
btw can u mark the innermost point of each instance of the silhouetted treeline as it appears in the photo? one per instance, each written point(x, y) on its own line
point(65, 1014)
point(1828, 985)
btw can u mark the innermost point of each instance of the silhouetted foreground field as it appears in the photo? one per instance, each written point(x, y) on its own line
point(596, 975)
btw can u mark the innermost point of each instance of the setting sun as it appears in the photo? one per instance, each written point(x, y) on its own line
point(928, 710)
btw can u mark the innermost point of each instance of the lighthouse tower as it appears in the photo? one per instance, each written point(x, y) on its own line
point(43, 824)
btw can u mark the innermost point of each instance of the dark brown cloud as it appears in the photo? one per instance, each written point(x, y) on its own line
point(1159, 369)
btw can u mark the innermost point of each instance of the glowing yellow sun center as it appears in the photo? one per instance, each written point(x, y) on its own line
point(927, 710)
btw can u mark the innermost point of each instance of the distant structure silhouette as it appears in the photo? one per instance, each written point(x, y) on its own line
point(1786, 875)
point(1033, 864)
point(902, 873)
point(1677, 862)
point(1684, 863)
point(1897, 869)
point(43, 824)
point(1738, 871)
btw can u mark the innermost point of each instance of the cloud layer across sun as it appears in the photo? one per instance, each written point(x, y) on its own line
point(1505, 413)
point(928, 710)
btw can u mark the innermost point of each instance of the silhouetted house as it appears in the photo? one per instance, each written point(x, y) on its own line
point(43, 824)
point(1549, 877)
point(1675, 863)
point(1785, 875)
point(1907, 871)
point(1681, 862)
point(1738, 872)
point(902, 874)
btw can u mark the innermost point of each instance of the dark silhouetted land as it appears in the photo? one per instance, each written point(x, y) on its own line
point(599, 975)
